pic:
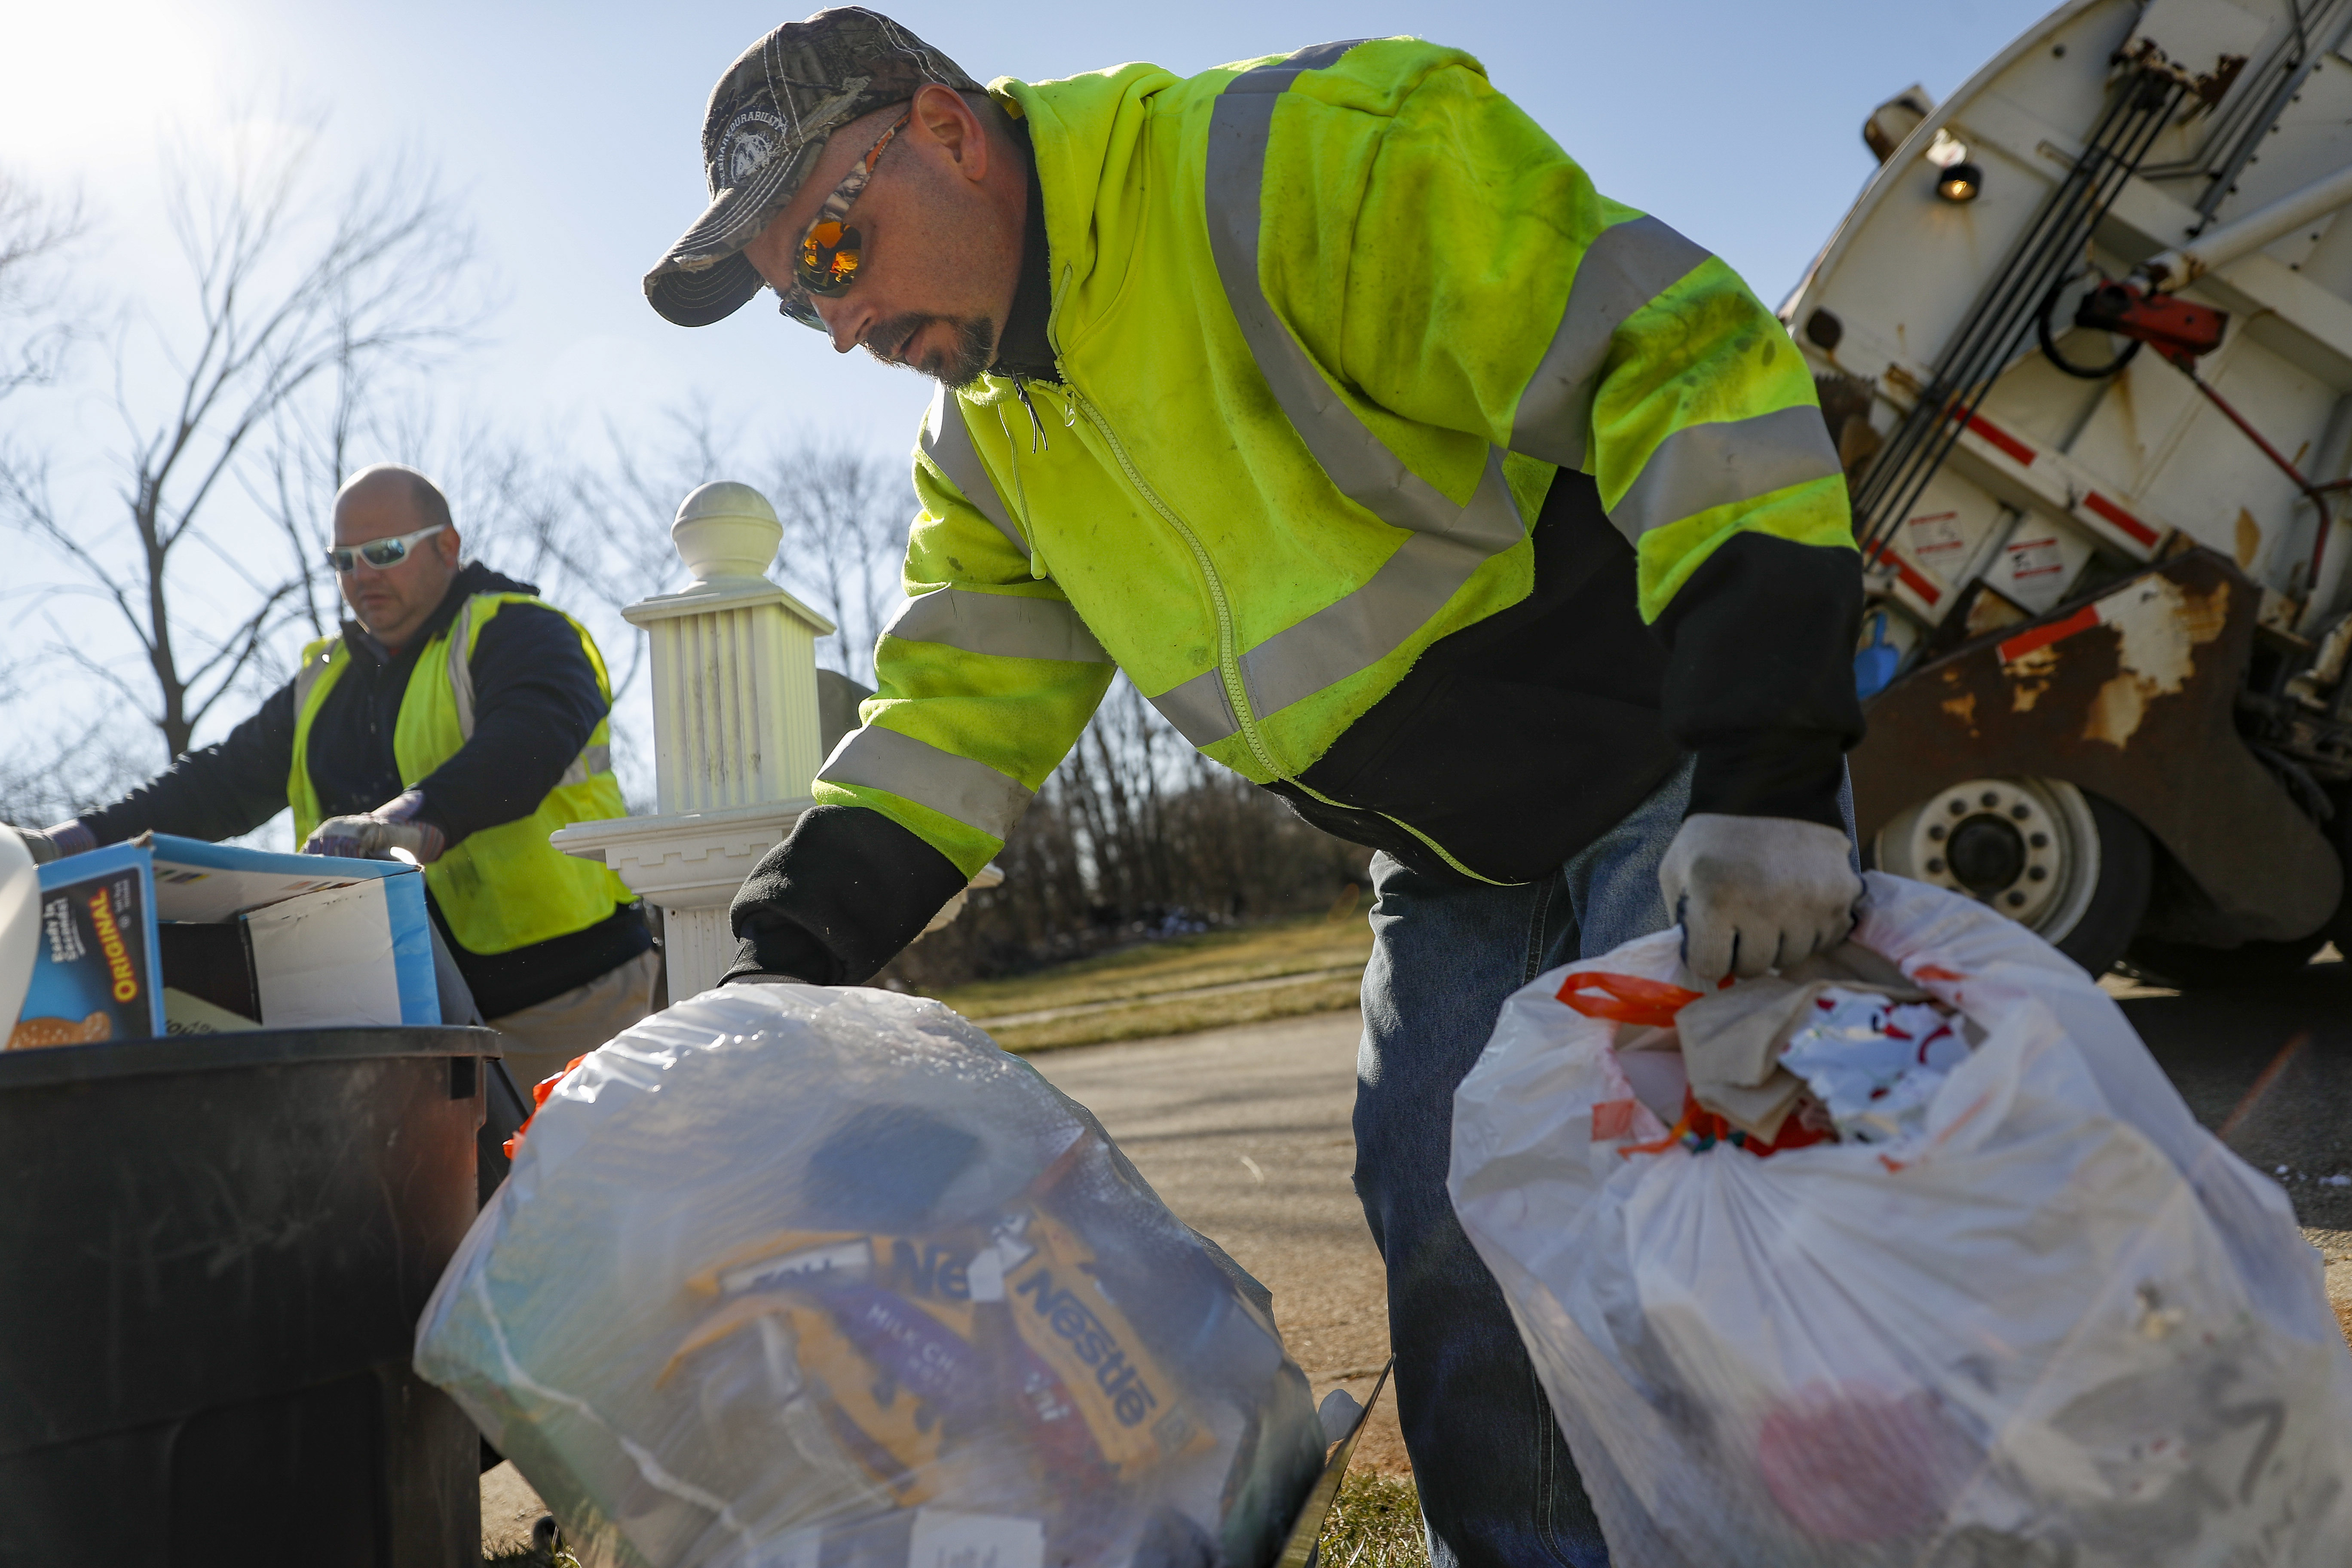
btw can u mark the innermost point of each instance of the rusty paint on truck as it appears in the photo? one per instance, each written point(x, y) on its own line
point(2128, 695)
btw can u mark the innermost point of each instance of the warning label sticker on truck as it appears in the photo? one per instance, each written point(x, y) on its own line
point(1937, 542)
point(2031, 558)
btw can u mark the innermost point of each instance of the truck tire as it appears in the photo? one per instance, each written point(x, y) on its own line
point(2072, 866)
point(2178, 963)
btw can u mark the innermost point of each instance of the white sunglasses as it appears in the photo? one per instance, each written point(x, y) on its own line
point(378, 553)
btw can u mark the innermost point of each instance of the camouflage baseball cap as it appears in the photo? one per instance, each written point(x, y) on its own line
point(769, 120)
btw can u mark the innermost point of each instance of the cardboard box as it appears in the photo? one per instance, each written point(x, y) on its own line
point(96, 976)
point(204, 937)
point(327, 941)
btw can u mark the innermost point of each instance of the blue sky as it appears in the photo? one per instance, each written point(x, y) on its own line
point(570, 133)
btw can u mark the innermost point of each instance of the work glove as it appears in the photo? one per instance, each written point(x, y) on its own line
point(388, 832)
point(1754, 893)
point(57, 840)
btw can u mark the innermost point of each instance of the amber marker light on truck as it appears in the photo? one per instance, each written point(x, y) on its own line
point(1959, 180)
point(1960, 183)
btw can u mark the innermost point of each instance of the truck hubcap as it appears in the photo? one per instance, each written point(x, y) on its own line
point(1988, 857)
point(2027, 847)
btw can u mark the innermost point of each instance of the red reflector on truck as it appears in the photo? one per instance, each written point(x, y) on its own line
point(2025, 642)
point(1999, 438)
point(2120, 517)
point(1911, 578)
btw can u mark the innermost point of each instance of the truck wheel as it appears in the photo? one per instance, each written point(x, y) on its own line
point(2070, 867)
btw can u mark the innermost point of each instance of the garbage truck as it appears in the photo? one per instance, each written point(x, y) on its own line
point(2084, 346)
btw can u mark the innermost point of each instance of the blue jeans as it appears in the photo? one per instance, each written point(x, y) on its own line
point(1497, 1487)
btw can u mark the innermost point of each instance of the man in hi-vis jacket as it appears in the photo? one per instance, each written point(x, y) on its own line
point(1489, 522)
point(457, 719)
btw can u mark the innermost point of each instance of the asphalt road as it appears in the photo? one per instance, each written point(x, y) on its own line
point(2270, 1068)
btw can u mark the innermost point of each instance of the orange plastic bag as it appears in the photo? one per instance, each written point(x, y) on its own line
point(539, 1094)
point(1625, 998)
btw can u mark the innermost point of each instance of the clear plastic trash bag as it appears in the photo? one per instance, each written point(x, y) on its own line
point(794, 1277)
point(2062, 1327)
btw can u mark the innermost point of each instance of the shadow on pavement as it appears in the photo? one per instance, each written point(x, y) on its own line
point(2269, 1067)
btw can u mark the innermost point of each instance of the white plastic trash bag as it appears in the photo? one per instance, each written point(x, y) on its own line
point(789, 1275)
point(2053, 1324)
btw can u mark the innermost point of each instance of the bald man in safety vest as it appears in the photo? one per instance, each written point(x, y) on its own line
point(457, 719)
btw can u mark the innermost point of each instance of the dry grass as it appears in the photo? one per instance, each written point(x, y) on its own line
point(1136, 975)
point(1182, 1015)
point(1375, 1522)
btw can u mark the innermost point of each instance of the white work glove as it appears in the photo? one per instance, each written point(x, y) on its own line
point(386, 832)
point(1754, 893)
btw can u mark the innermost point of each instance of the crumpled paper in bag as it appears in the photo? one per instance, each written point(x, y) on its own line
point(2058, 1323)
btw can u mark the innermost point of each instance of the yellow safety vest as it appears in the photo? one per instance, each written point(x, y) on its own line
point(504, 887)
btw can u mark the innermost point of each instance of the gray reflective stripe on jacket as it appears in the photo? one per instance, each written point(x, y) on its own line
point(306, 680)
point(970, 792)
point(1703, 466)
point(947, 441)
point(1626, 266)
point(1005, 625)
point(1699, 466)
point(1329, 645)
point(595, 758)
point(1449, 543)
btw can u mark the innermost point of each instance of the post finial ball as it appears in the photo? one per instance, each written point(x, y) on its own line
point(725, 530)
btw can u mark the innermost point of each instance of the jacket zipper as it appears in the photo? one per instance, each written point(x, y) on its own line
point(1228, 663)
point(1229, 659)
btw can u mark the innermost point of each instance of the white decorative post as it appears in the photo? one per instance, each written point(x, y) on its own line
point(736, 745)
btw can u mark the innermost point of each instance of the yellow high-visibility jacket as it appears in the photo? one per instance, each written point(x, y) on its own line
point(504, 887)
point(1392, 463)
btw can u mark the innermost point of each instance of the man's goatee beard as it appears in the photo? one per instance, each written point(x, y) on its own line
point(964, 362)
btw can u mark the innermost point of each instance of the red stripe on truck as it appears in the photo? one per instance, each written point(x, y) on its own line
point(1999, 438)
point(2120, 518)
point(1904, 570)
point(2025, 642)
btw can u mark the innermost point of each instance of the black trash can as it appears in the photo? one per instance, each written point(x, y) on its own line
point(213, 1255)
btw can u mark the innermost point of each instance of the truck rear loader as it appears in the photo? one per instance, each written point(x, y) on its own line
point(2084, 344)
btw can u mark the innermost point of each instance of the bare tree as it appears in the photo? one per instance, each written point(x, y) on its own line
point(34, 334)
point(299, 298)
point(845, 512)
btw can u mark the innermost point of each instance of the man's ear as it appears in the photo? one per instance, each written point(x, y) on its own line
point(449, 545)
point(942, 116)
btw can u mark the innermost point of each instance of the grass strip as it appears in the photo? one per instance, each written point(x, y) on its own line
point(1375, 1522)
point(1179, 963)
point(1147, 1019)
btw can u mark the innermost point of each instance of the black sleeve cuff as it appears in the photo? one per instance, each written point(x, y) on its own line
point(1759, 677)
point(1796, 776)
point(839, 898)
